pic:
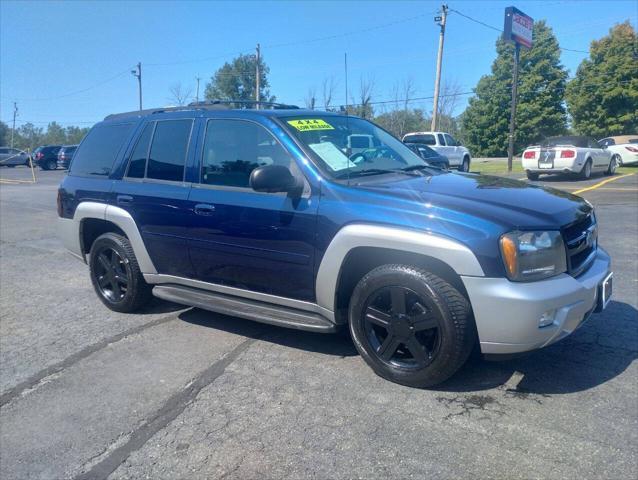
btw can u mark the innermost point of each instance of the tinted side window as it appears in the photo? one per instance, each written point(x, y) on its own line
point(234, 148)
point(441, 140)
point(4, 151)
point(137, 163)
point(99, 149)
point(168, 150)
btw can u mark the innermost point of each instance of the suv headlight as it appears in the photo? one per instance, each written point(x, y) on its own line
point(532, 256)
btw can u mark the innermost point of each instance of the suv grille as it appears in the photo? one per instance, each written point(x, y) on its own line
point(581, 241)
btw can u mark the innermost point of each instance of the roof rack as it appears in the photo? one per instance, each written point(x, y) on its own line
point(205, 105)
point(243, 104)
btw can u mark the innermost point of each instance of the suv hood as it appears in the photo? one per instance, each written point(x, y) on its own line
point(511, 203)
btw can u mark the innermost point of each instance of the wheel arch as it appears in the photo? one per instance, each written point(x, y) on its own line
point(93, 219)
point(358, 247)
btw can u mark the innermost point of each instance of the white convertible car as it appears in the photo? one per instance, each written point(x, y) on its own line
point(624, 147)
point(568, 154)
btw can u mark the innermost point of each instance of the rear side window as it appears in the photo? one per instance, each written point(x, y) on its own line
point(99, 149)
point(168, 150)
point(137, 165)
point(426, 139)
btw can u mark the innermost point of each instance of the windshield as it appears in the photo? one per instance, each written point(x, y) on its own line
point(351, 146)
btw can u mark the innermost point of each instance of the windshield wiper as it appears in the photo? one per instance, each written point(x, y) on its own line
point(374, 171)
point(411, 168)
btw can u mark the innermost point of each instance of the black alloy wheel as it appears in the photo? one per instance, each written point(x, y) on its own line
point(116, 275)
point(402, 327)
point(411, 326)
point(112, 277)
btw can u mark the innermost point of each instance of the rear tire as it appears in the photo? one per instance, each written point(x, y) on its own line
point(585, 173)
point(410, 326)
point(532, 175)
point(51, 165)
point(116, 275)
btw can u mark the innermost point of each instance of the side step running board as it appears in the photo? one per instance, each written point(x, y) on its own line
point(245, 308)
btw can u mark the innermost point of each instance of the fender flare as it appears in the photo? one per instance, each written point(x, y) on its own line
point(124, 221)
point(458, 256)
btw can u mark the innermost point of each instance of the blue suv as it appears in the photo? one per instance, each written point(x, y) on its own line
point(270, 213)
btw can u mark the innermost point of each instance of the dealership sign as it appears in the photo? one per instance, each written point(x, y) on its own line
point(518, 27)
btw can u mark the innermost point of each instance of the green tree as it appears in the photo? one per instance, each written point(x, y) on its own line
point(540, 109)
point(401, 121)
point(55, 134)
point(236, 81)
point(74, 135)
point(28, 136)
point(5, 134)
point(603, 97)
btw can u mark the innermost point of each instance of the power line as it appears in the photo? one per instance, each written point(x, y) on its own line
point(501, 31)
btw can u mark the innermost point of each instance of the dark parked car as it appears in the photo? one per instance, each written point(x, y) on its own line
point(46, 156)
point(429, 155)
point(65, 155)
point(268, 215)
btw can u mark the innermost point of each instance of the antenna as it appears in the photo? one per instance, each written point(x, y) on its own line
point(348, 150)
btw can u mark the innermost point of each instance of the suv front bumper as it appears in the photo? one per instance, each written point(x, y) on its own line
point(508, 313)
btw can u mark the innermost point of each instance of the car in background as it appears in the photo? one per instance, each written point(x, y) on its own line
point(10, 157)
point(623, 147)
point(444, 144)
point(65, 155)
point(430, 156)
point(46, 156)
point(568, 154)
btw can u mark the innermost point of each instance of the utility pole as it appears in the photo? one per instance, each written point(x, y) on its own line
point(439, 60)
point(138, 73)
point(510, 147)
point(345, 67)
point(15, 112)
point(257, 75)
point(197, 94)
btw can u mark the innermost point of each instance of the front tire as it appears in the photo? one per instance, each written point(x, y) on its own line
point(410, 326)
point(116, 275)
point(613, 164)
point(465, 165)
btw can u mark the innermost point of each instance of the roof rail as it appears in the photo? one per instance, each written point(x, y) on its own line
point(243, 104)
point(204, 105)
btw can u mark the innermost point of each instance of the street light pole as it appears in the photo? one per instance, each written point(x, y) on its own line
point(15, 112)
point(257, 75)
point(138, 73)
point(439, 61)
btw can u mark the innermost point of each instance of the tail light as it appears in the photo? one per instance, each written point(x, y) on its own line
point(632, 149)
point(59, 203)
point(529, 154)
point(567, 154)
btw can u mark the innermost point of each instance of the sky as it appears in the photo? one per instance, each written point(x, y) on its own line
point(71, 61)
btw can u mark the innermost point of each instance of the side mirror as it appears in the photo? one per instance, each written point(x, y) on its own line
point(272, 178)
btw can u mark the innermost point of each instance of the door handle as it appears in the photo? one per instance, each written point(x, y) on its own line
point(204, 209)
point(124, 199)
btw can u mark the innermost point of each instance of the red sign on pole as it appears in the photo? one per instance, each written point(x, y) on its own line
point(518, 27)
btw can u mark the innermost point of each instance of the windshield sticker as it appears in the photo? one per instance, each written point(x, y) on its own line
point(330, 154)
point(310, 124)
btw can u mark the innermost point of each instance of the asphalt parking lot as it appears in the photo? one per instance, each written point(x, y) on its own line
point(184, 393)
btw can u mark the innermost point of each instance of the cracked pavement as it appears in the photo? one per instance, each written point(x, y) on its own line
point(86, 393)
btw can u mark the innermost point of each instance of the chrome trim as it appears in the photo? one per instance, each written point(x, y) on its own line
point(459, 257)
point(160, 278)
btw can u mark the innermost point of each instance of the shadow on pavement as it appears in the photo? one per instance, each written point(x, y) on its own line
point(600, 350)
